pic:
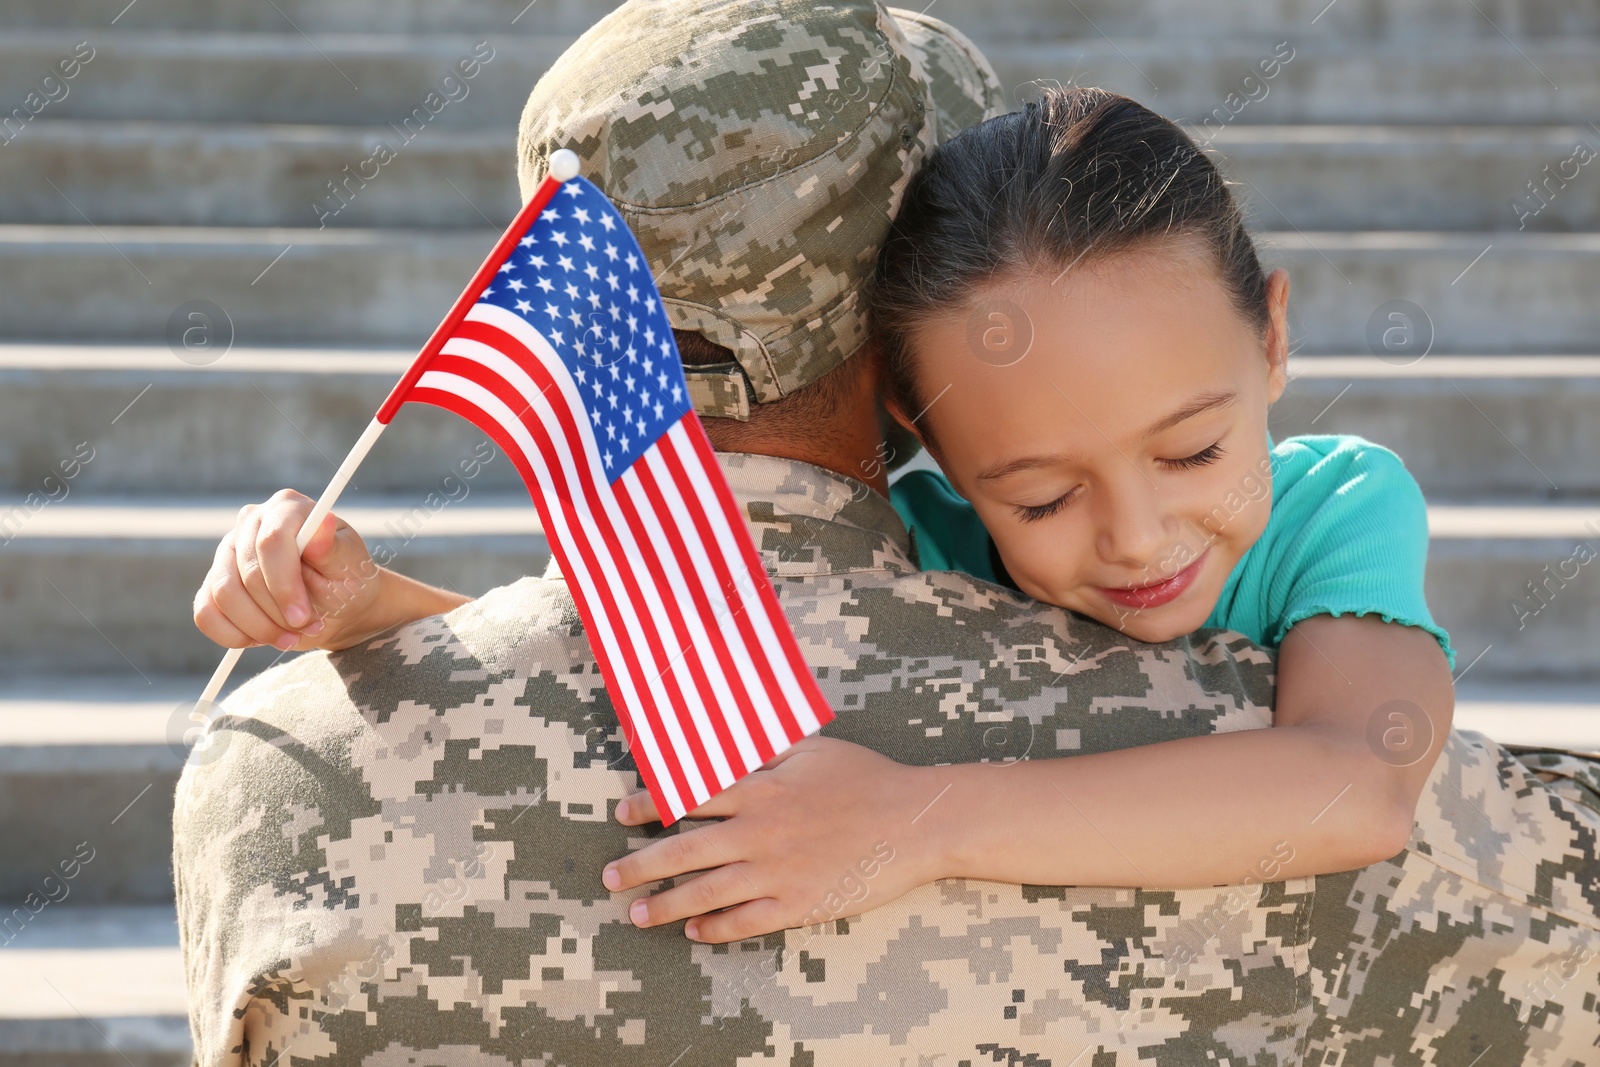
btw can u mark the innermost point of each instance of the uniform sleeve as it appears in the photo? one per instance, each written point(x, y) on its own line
point(1360, 543)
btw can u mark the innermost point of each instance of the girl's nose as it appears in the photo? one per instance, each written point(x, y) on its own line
point(1133, 527)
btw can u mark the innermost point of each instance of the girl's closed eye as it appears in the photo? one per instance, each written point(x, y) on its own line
point(1039, 512)
point(1199, 459)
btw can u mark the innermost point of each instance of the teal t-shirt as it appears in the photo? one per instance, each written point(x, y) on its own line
point(1348, 534)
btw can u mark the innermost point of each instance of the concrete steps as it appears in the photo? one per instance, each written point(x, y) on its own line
point(83, 984)
point(1378, 147)
point(1319, 177)
point(1482, 292)
point(159, 425)
point(1494, 426)
point(1018, 19)
point(142, 173)
point(282, 77)
point(363, 78)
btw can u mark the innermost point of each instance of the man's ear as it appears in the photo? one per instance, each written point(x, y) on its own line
point(1277, 333)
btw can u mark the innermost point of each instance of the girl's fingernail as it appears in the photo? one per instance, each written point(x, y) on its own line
point(285, 642)
point(315, 628)
point(639, 912)
point(622, 811)
point(296, 614)
point(612, 878)
point(691, 930)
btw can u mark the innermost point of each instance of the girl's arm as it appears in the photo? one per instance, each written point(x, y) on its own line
point(1363, 709)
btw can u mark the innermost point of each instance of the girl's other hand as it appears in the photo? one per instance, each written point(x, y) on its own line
point(824, 831)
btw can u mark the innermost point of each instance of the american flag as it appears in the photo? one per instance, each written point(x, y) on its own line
point(561, 351)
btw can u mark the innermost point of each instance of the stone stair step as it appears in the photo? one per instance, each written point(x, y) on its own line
point(1482, 292)
point(1187, 19)
point(363, 78)
point(94, 985)
point(126, 283)
point(253, 422)
point(1321, 177)
point(210, 174)
point(1464, 178)
point(257, 420)
point(110, 586)
point(1517, 588)
point(1302, 77)
point(1465, 425)
point(282, 77)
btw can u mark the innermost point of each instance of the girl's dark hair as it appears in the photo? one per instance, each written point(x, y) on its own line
point(1078, 173)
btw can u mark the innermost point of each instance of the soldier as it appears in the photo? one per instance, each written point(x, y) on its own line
point(390, 852)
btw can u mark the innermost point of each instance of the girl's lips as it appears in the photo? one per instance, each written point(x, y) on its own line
point(1158, 593)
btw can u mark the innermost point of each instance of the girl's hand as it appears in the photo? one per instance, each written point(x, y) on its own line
point(822, 832)
point(262, 591)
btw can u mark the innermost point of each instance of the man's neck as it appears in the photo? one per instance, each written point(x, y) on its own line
point(850, 442)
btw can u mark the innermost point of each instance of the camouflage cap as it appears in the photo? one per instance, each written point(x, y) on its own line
point(758, 149)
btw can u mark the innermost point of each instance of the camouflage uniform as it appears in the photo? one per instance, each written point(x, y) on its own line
point(392, 854)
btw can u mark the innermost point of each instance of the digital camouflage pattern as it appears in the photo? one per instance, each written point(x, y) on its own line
point(391, 855)
point(815, 115)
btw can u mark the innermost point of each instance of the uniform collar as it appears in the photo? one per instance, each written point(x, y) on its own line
point(809, 521)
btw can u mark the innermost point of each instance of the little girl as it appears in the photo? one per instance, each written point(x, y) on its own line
point(1075, 325)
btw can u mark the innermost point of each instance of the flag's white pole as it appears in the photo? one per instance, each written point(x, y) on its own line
point(563, 167)
point(325, 502)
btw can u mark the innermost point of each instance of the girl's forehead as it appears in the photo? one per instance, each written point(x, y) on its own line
point(1125, 322)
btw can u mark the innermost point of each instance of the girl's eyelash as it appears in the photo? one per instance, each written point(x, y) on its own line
point(1038, 512)
point(1199, 459)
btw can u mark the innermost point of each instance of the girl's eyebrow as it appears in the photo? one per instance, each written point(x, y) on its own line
point(1202, 402)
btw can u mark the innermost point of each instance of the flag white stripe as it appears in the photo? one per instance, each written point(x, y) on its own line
point(731, 548)
point(700, 639)
point(602, 494)
point(496, 410)
point(720, 606)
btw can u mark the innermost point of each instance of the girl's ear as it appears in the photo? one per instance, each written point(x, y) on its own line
point(895, 411)
point(1277, 333)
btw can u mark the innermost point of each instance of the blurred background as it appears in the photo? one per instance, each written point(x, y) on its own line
point(226, 226)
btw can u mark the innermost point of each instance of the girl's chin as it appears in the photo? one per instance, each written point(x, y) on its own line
point(1153, 626)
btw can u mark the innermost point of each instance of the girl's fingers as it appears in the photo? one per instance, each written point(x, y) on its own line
point(277, 557)
point(750, 919)
point(636, 809)
point(721, 888)
point(232, 607)
point(670, 857)
point(215, 624)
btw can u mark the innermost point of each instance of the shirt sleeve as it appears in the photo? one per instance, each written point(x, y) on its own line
point(1359, 544)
